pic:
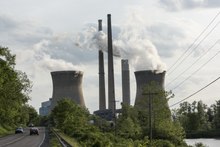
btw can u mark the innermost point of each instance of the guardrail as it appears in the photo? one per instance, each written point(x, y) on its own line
point(61, 140)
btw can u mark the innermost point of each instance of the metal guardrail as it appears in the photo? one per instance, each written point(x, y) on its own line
point(61, 140)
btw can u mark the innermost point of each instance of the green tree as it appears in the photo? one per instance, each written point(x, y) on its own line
point(69, 116)
point(162, 125)
point(127, 123)
point(33, 115)
point(202, 116)
point(216, 120)
point(73, 120)
point(14, 88)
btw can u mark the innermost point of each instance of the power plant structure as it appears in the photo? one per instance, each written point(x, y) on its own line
point(67, 84)
point(144, 78)
point(103, 112)
point(125, 82)
point(102, 101)
point(111, 82)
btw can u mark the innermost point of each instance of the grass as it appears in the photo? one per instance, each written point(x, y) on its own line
point(54, 142)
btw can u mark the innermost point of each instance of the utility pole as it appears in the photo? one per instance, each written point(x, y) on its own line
point(150, 115)
point(150, 108)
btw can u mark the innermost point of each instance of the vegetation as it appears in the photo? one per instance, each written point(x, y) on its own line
point(14, 94)
point(131, 128)
point(71, 141)
point(199, 120)
point(54, 141)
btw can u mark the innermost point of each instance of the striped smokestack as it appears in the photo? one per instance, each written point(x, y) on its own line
point(111, 88)
point(125, 81)
point(102, 102)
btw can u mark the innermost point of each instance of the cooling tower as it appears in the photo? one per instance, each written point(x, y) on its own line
point(102, 102)
point(144, 78)
point(111, 87)
point(125, 81)
point(67, 84)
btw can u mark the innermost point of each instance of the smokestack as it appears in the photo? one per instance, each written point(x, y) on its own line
point(102, 102)
point(125, 81)
point(111, 88)
point(144, 78)
point(67, 84)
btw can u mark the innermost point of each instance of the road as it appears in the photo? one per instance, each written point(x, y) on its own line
point(24, 140)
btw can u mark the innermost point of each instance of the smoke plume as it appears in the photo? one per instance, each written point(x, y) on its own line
point(130, 43)
point(91, 38)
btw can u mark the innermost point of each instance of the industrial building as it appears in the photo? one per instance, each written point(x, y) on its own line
point(44, 110)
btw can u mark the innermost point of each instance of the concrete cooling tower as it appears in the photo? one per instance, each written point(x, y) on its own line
point(144, 78)
point(67, 84)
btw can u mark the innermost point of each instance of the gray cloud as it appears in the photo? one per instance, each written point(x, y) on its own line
point(6, 24)
point(21, 33)
point(26, 36)
point(166, 38)
point(176, 5)
point(62, 47)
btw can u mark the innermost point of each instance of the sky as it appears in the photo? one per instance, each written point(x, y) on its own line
point(181, 37)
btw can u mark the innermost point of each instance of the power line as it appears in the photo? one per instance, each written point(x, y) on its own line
point(197, 70)
point(191, 65)
point(195, 40)
point(194, 48)
point(195, 92)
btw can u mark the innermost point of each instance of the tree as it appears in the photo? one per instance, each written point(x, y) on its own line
point(162, 125)
point(73, 120)
point(202, 116)
point(127, 124)
point(216, 120)
point(194, 117)
point(33, 115)
point(70, 117)
point(14, 88)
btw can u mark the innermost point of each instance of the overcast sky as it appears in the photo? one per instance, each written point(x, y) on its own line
point(49, 35)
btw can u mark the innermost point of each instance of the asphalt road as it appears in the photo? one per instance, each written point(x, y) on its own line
point(24, 140)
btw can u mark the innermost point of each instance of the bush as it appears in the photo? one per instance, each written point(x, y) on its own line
point(5, 130)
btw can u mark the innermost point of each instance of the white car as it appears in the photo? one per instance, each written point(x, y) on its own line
point(19, 130)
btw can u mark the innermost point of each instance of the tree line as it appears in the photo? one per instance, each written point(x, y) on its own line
point(130, 128)
point(198, 119)
point(14, 94)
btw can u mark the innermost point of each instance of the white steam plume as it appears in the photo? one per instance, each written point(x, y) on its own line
point(91, 38)
point(131, 43)
point(45, 61)
point(134, 45)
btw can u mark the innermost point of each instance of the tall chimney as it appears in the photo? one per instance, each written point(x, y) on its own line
point(102, 102)
point(144, 78)
point(67, 84)
point(125, 81)
point(111, 88)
